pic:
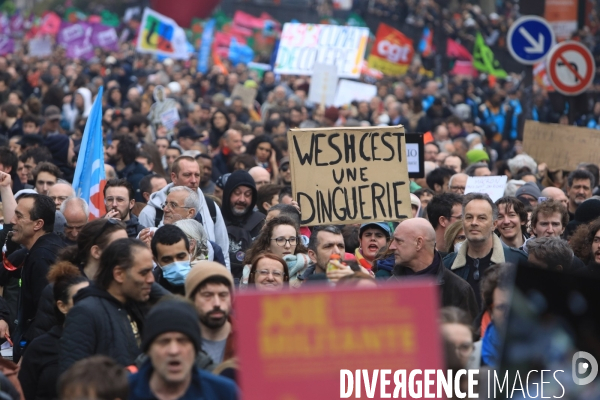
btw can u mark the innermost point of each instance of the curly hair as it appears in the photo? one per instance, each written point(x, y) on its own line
point(582, 239)
point(263, 241)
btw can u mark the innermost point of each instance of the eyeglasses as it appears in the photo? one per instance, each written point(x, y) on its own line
point(458, 188)
point(284, 168)
point(172, 205)
point(476, 266)
point(455, 217)
point(281, 241)
point(109, 222)
point(73, 228)
point(110, 200)
point(266, 272)
point(464, 348)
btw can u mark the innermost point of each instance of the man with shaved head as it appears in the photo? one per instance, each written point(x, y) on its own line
point(415, 255)
point(261, 176)
point(557, 194)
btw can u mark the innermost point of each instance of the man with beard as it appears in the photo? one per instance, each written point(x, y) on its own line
point(122, 153)
point(119, 201)
point(243, 224)
point(482, 247)
point(580, 185)
point(206, 184)
point(585, 243)
point(210, 287)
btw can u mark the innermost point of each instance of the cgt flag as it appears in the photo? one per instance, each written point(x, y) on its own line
point(392, 52)
point(90, 177)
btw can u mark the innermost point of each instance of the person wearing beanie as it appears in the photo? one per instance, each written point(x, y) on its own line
point(529, 192)
point(332, 114)
point(171, 340)
point(243, 223)
point(210, 287)
point(477, 155)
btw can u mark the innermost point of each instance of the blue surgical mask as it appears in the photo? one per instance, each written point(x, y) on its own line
point(175, 273)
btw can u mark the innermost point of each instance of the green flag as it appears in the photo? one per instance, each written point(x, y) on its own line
point(355, 20)
point(110, 19)
point(484, 60)
point(221, 19)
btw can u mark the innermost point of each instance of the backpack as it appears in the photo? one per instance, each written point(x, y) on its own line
point(210, 203)
point(240, 240)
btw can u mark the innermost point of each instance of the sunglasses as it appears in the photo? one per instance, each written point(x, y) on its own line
point(284, 168)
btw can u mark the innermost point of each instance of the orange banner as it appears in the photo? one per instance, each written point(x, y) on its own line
point(562, 16)
point(392, 52)
point(293, 344)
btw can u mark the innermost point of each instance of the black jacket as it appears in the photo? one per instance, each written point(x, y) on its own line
point(33, 281)
point(100, 324)
point(134, 173)
point(133, 226)
point(455, 291)
point(39, 369)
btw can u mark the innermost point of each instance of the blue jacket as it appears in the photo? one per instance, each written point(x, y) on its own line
point(204, 386)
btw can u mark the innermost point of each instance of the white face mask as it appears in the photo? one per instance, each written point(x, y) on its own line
point(457, 246)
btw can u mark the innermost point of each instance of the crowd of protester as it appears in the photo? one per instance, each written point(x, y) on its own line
point(194, 214)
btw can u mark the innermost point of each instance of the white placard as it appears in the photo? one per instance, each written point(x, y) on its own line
point(304, 45)
point(412, 158)
point(323, 84)
point(493, 186)
point(349, 91)
point(170, 118)
point(40, 47)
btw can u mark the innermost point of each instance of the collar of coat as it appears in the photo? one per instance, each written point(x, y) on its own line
point(497, 254)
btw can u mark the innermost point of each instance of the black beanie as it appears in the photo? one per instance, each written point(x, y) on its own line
point(172, 315)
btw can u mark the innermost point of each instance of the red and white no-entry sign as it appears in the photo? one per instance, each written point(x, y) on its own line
point(570, 68)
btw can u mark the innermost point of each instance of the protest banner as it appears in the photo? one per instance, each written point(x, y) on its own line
point(392, 52)
point(303, 45)
point(40, 47)
point(323, 84)
point(562, 17)
point(7, 45)
point(350, 175)
point(561, 147)
point(161, 36)
point(170, 118)
point(493, 186)
point(293, 344)
point(348, 91)
point(248, 95)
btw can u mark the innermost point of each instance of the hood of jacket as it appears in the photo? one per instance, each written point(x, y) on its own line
point(87, 100)
point(95, 291)
point(236, 179)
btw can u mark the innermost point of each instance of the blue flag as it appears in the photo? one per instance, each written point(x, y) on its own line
point(240, 53)
point(90, 177)
point(207, 38)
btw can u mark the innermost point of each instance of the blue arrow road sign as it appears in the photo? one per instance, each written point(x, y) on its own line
point(530, 38)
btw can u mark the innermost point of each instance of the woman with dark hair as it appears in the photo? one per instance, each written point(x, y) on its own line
point(39, 368)
point(280, 236)
point(265, 153)
point(219, 123)
point(269, 272)
point(113, 98)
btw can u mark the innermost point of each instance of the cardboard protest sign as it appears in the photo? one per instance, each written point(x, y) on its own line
point(350, 175)
point(323, 84)
point(293, 344)
point(40, 47)
point(303, 45)
point(348, 91)
point(561, 147)
point(493, 186)
point(170, 118)
point(392, 51)
point(247, 94)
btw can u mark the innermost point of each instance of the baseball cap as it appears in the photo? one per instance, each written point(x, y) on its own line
point(381, 225)
point(188, 132)
point(52, 113)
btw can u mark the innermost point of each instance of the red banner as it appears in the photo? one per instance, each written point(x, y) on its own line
point(294, 344)
point(392, 52)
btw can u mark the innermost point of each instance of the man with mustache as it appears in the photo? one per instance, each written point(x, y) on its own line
point(580, 185)
point(209, 286)
point(243, 224)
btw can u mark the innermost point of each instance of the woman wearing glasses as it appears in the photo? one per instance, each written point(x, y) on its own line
point(281, 237)
point(269, 272)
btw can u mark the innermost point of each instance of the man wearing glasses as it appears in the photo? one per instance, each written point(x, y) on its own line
point(413, 245)
point(482, 247)
point(119, 201)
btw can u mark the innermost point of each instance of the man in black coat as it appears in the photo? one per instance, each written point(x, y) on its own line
point(108, 316)
point(33, 224)
point(414, 251)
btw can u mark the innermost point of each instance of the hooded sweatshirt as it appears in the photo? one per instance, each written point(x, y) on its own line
point(71, 112)
point(217, 232)
point(244, 228)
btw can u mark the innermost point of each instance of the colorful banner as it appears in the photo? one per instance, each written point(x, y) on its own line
point(50, 24)
point(484, 60)
point(303, 45)
point(207, 37)
point(562, 16)
point(457, 51)
point(294, 344)
point(426, 43)
point(7, 45)
point(90, 178)
point(80, 39)
point(392, 52)
point(160, 35)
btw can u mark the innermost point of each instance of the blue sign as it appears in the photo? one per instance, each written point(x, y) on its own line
point(530, 38)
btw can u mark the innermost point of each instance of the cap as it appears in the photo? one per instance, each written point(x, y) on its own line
point(332, 114)
point(251, 84)
point(188, 132)
point(52, 113)
point(30, 140)
point(110, 60)
point(477, 155)
point(283, 161)
point(47, 79)
point(381, 225)
point(203, 270)
point(172, 315)
point(222, 180)
point(174, 87)
point(530, 189)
